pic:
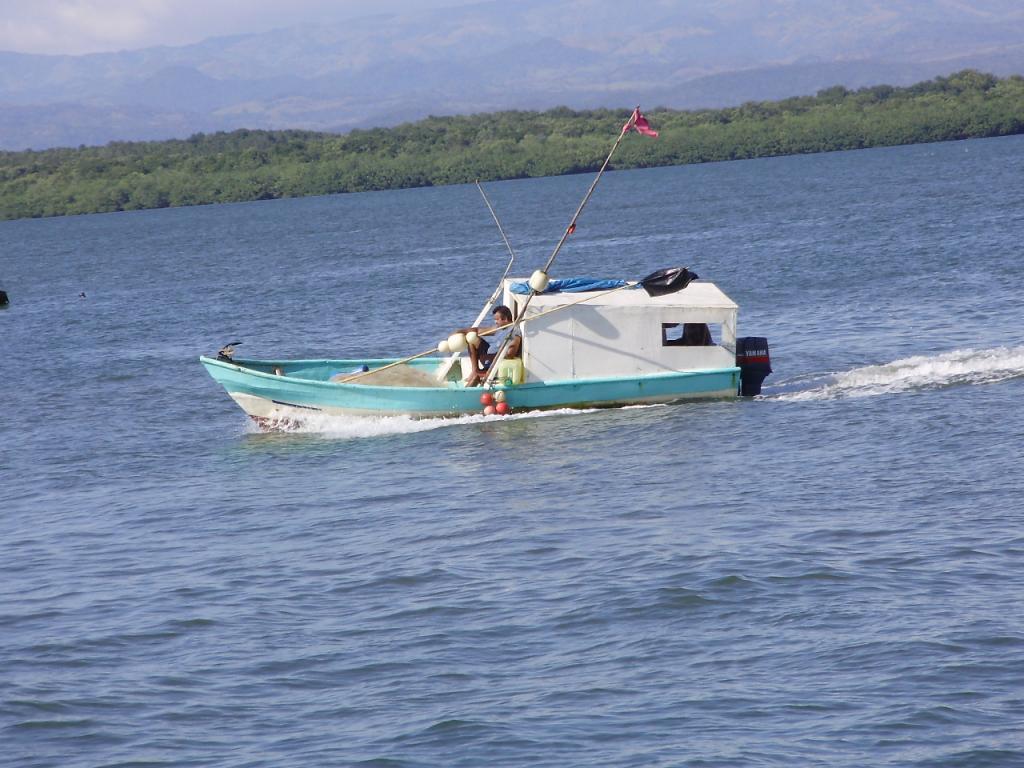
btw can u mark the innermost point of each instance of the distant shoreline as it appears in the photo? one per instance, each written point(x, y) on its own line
point(249, 165)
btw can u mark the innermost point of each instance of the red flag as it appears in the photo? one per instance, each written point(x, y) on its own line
point(642, 126)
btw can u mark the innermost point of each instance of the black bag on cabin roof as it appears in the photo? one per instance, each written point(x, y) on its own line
point(666, 281)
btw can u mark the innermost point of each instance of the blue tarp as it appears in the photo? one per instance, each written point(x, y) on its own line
point(572, 285)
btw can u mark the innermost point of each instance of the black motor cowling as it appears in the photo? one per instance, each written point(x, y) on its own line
point(754, 363)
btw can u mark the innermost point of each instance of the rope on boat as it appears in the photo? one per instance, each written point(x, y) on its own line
point(521, 321)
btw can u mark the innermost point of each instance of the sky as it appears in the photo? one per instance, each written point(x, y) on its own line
point(92, 26)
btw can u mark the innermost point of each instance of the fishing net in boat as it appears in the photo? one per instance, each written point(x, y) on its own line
point(397, 376)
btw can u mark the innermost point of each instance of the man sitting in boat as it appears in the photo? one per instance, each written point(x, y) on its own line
point(481, 356)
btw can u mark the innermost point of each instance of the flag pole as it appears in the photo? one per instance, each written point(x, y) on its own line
point(499, 355)
point(586, 198)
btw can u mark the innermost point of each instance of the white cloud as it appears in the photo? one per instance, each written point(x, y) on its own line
point(89, 26)
point(79, 26)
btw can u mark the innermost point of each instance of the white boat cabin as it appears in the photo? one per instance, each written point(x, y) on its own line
point(625, 333)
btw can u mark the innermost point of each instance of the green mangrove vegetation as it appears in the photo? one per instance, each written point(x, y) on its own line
point(260, 165)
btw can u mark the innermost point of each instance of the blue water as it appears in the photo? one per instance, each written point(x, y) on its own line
point(831, 575)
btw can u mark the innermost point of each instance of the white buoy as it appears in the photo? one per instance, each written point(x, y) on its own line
point(456, 342)
point(472, 339)
point(443, 347)
point(539, 281)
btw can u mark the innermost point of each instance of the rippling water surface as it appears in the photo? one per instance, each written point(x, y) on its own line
point(830, 575)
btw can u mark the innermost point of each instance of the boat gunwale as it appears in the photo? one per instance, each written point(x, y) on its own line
point(526, 385)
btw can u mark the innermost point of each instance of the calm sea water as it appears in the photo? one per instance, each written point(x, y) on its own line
point(831, 575)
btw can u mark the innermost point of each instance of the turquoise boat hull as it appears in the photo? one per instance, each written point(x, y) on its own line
point(305, 387)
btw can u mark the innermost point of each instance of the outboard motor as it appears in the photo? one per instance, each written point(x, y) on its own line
point(754, 363)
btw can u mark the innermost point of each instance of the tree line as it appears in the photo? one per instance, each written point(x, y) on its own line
point(261, 165)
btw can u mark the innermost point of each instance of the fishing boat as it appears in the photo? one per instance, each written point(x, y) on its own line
point(581, 342)
point(583, 346)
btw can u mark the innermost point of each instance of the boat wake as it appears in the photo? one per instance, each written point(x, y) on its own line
point(356, 427)
point(923, 372)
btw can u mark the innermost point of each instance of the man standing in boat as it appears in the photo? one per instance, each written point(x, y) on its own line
point(480, 355)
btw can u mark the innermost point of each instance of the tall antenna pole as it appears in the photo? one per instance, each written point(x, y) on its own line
point(502, 231)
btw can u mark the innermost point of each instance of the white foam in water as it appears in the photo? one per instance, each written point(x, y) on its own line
point(962, 366)
point(355, 427)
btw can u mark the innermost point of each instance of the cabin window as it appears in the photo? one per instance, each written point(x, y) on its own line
point(688, 335)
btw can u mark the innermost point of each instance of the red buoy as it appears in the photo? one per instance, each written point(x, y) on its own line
point(486, 399)
point(502, 408)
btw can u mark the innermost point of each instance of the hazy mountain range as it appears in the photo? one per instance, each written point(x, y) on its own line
point(531, 54)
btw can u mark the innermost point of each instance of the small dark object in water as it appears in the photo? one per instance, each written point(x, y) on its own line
point(4, 300)
point(81, 295)
point(754, 363)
